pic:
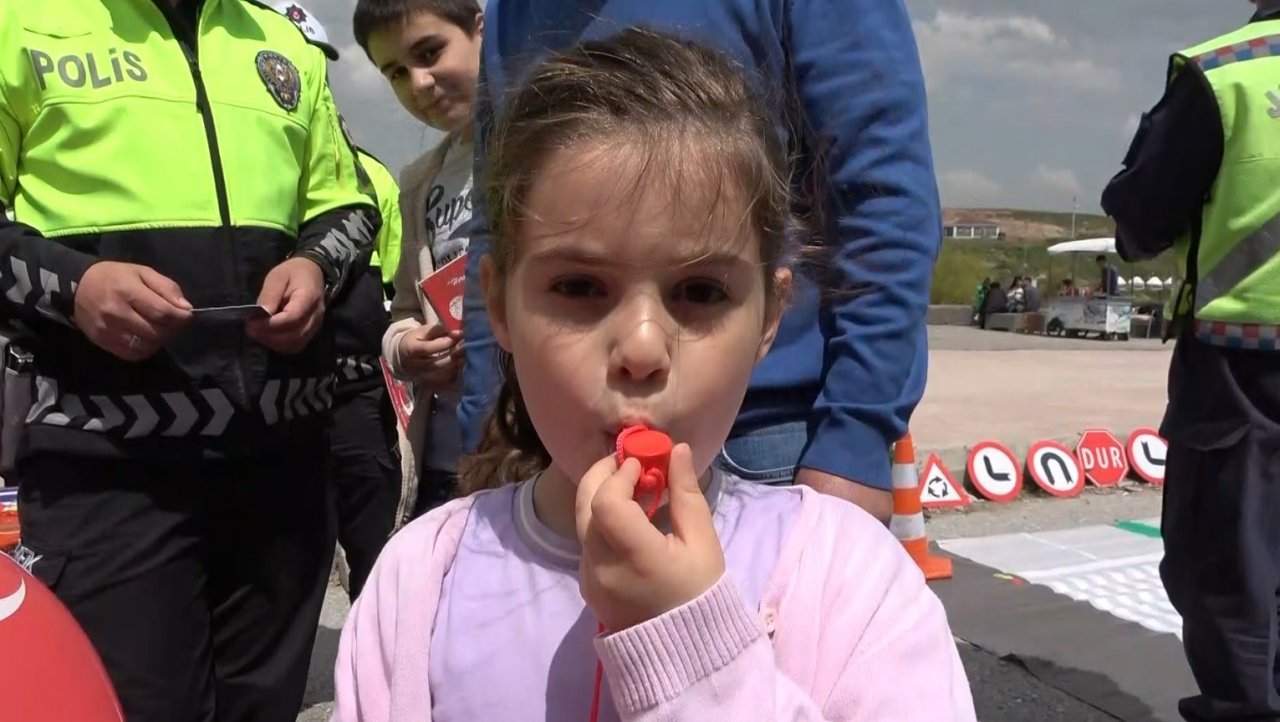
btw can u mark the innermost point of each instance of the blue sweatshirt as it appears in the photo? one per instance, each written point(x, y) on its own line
point(852, 363)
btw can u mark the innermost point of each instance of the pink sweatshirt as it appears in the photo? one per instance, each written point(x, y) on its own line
point(847, 630)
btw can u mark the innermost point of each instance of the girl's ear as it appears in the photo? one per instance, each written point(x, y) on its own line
point(495, 302)
point(773, 310)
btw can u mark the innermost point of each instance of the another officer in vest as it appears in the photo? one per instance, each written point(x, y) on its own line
point(364, 440)
point(1203, 178)
point(166, 160)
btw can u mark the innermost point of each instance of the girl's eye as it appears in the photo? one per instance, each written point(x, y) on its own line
point(578, 288)
point(701, 292)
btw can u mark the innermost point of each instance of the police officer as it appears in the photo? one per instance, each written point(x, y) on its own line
point(364, 440)
point(1203, 177)
point(170, 164)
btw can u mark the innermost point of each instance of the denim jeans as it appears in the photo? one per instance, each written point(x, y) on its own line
point(767, 455)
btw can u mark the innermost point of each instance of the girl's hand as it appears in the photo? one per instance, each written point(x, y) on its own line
point(631, 571)
point(432, 356)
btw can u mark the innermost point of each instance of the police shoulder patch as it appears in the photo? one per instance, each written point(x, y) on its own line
point(281, 77)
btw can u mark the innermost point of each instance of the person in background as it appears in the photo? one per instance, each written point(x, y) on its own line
point(174, 474)
point(429, 53)
point(1031, 289)
point(997, 301)
point(386, 255)
point(1200, 179)
point(363, 440)
point(1109, 283)
point(851, 358)
point(1017, 296)
point(980, 297)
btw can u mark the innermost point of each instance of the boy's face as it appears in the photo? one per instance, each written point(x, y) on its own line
point(432, 66)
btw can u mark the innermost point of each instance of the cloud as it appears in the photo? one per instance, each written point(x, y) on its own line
point(1019, 48)
point(1059, 182)
point(967, 188)
point(1130, 125)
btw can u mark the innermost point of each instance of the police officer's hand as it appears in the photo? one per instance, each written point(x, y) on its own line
point(293, 293)
point(129, 310)
point(431, 356)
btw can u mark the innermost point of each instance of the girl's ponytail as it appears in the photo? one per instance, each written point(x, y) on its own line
point(510, 450)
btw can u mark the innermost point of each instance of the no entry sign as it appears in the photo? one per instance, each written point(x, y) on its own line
point(1147, 454)
point(1102, 456)
point(994, 471)
point(1055, 469)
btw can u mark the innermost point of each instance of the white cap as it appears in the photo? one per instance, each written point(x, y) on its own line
point(309, 26)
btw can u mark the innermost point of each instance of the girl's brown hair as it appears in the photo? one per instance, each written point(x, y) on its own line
point(645, 94)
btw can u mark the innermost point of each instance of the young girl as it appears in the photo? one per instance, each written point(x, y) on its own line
point(640, 209)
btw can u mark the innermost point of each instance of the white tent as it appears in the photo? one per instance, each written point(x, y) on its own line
point(1138, 283)
point(1168, 282)
point(1154, 283)
point(1085, 245)
point(1122, 282)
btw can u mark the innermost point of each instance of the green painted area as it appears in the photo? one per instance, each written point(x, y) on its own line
point(1139, 527)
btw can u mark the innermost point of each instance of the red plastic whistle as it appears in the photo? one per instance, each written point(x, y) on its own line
point(653, 450)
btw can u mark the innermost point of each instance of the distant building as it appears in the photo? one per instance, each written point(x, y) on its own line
point(972, 230)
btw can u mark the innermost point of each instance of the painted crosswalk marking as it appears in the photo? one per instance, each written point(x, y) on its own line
point(1113, 568)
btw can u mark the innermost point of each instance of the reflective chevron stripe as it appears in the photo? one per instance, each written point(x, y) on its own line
point(355, 368)
point(295, 398)
point(222, 411)
point(175, 414)
point(37, 293)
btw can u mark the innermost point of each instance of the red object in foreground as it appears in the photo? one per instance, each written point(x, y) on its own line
point(53, 673)
point(653, 450)
point(443, 290)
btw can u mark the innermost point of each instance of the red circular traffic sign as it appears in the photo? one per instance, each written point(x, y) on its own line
point(1102, 456)
point(1055, 469)
point(994, 471)
point(1147, 454)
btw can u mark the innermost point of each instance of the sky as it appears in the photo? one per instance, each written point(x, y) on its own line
point(1031, 102)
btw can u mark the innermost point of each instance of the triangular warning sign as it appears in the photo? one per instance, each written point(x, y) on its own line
point(938, 488)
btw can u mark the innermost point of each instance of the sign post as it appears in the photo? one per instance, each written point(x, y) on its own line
point(1102, 456)
point(1147, 455)
point(994, 471)
point(1055, 469)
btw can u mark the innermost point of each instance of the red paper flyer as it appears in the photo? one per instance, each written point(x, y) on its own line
point(401, 393)
point(443, 290)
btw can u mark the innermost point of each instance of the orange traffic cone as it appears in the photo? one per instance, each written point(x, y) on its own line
point(907, 523)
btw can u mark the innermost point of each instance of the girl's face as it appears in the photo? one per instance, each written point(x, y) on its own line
point(432, 66)
point(630, 304)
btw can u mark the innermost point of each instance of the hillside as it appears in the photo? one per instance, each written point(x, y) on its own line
point(963, 263)
point(1032, 226)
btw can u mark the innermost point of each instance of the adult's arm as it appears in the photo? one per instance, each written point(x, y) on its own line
point(480, 379)
point(340, 219)
point(859, 81)
point(1169, 169)
point(38, 277)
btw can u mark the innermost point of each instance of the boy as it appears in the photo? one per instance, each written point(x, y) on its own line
point(429, 52)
